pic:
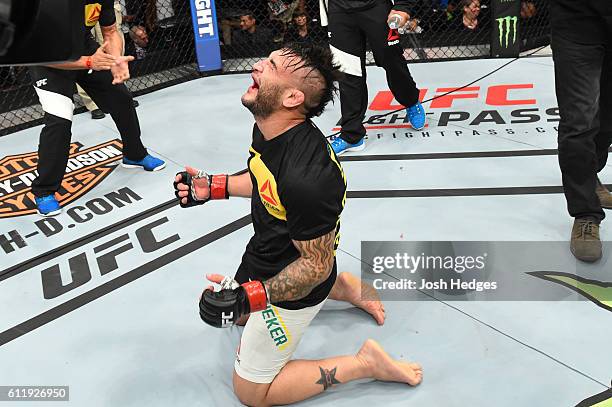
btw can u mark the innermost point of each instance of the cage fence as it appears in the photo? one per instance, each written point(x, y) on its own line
point(159, 34)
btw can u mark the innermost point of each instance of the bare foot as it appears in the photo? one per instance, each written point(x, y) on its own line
point(383, 367)
point(351, 289)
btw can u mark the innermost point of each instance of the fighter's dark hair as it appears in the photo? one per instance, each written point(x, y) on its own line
point(318, 59)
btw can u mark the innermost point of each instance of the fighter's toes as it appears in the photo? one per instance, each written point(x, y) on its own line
point(379, 316)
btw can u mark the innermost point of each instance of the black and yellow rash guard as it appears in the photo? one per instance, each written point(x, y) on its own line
point(299, 191)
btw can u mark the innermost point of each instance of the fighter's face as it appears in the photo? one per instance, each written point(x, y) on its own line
point(271, 78)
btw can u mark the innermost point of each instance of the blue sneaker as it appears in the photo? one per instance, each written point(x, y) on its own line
point(48, 205)
point(416, 114)
point(149, 163)
point(340, 146)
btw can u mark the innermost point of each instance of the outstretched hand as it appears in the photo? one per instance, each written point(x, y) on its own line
point(101, 60)
point(121, 70)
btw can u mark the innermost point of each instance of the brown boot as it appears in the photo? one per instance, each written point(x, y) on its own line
point(605, 197)
point(585, 244)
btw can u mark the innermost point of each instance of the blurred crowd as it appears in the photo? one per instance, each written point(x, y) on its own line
point(159, 33)
point(255, 27)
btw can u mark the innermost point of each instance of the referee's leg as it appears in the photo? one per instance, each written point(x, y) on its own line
point(117, 100)
point(54, 89)
point(388, 54)
point(347, 43)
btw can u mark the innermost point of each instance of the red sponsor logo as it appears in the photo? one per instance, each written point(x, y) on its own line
point(266, 193)
point(495, 95)
point(393, 35)
point(92, 14)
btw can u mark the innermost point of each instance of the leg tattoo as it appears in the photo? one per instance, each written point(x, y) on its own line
point(328, 378)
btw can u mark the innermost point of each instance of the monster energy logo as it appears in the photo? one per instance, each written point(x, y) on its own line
point(504, 24)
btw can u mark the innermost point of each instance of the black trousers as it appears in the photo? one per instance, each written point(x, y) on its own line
point(349, 32)
point(55, 88)
point(583, 81)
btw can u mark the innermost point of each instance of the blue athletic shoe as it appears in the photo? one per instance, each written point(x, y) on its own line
point(48, 205)
point(340, 146)
point(149, 163)
point(416, 114)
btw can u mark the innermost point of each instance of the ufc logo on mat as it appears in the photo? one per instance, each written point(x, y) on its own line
point(226, 320)
point(41, 82)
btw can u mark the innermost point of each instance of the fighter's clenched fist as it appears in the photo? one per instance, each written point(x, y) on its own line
point(223, 308)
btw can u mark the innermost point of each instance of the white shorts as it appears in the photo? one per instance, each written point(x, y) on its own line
point(269, 339)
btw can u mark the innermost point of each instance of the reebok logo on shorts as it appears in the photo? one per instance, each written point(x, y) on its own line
point(277, 329)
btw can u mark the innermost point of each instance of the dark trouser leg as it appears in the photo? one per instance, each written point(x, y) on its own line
point(54, 89)
point(53, 150)
point(578, 70)
point(390, 57)
point(353, 105)
point(117, 100)
point(347, 43)
point(604, 139)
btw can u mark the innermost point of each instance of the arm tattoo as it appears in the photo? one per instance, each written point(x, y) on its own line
point(328, 378)
point(313, 266)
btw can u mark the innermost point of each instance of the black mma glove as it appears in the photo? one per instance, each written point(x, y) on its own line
point(217, 185)
point(223, 308)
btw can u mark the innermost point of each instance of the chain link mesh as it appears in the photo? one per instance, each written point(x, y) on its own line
point(535, 24)
point(158, 33)
point(439, 30)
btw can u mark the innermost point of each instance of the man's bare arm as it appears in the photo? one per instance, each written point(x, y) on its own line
point(114, 48)
point(80, 63)
point(240, 185)
point(114, 39)
point(299, 278)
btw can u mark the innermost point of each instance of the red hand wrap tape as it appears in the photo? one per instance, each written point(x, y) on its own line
point(256, 294)
point(218, 187)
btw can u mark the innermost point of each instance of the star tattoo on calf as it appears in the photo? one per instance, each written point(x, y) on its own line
point(328, 378)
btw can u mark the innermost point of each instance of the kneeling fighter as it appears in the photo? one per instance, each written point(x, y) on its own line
point(288, 270)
